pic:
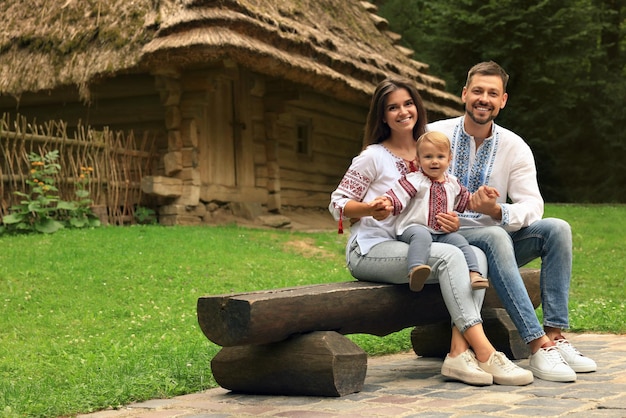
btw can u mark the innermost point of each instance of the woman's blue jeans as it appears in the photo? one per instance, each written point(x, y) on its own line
point(386, 262)
point(550, 239)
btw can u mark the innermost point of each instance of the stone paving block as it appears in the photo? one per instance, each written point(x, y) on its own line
point(304, 414)
point(164, 413)
point(534, 412)
point(556, 403)
point(361, 396)
point(412, 392)
point(446, 394)
point(618, 402)
point(597, 413)
point(108, 413)
point(489, 408)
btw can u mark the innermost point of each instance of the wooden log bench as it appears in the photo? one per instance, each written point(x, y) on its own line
point(291, 341)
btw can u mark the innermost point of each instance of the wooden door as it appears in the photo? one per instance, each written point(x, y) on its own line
point(218, 150)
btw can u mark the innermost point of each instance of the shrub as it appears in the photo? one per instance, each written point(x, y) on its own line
point(41, 209)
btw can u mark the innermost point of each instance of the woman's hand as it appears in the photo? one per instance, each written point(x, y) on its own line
point(449, 222)
point(381, 208)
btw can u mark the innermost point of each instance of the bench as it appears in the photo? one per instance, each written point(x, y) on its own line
point(291, 341)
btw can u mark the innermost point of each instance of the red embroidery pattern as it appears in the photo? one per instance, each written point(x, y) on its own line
point(354, 185)
point(401, 167)
point(462, 200)
point(395, 202)
point(438, 204)
point(407, 186)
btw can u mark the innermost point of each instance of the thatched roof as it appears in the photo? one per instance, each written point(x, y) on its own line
point(341, 47)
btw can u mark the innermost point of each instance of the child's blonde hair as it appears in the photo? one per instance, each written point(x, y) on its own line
point(438, 139)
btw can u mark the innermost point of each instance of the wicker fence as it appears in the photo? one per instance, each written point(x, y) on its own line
point(118, 160)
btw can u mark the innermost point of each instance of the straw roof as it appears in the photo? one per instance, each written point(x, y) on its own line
point(341, 47)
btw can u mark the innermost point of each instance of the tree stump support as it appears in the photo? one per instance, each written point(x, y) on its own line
point(321, 363)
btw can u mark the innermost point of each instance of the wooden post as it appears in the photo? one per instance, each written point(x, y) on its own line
point(503, 334)
point(432, 340)
point(273, 165)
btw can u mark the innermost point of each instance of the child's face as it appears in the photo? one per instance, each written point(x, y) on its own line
point(434, 160)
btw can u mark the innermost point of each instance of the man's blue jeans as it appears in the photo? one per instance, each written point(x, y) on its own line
point(550, 239)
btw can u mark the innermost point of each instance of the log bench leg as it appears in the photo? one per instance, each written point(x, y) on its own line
point(433, 340)
point(321, 363)
point(503, 334)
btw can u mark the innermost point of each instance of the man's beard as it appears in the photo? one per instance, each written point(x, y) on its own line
point(470, 112)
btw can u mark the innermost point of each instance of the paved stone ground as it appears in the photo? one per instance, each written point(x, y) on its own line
point(405, 385)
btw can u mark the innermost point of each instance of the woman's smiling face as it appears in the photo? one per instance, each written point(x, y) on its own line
point(400, 111)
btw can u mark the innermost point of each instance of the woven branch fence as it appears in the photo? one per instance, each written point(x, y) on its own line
point(118, 159)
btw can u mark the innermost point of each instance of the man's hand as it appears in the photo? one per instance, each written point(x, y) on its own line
point(484, 201)
point(449, 222)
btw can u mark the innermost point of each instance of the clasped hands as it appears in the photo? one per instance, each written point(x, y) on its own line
point(483, 201)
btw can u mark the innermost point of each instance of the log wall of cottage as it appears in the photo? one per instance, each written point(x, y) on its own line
point(126, 102)
point(225, 135)
point(335, 135)
point(248, 127)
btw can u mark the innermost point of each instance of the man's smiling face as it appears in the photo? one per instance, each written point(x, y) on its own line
point(483, 98)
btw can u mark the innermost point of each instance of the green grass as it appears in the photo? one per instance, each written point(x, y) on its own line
point(91, 319)
point(598, 287)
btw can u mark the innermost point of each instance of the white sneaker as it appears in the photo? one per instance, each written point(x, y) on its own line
point(505, 372)
point(573, 357)
point(464, 367)
point(548, 364)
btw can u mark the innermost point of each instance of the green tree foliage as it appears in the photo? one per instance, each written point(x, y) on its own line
point(567, 87)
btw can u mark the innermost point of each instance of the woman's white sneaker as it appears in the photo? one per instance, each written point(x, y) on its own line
point(573, 357)
point(464, 367)
point(505, 372)
point(548, 364)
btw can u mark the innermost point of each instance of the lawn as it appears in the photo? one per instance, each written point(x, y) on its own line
point(91, 319)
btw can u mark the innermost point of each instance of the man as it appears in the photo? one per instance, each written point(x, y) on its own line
point(511, 231)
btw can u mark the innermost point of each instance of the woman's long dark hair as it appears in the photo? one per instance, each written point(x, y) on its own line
point(376, 131)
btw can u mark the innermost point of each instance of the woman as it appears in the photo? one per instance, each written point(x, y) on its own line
point(396, 119)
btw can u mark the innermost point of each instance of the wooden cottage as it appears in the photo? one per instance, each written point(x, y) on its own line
point(253, 102)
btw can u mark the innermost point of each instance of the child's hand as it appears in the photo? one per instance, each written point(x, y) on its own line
point(381, 202)
point(490, 192)
point(448, 222)
point(485, 201)
point(381, 208)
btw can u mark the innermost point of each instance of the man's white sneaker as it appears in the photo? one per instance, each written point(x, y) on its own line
point(573, 357)
point(464, 367)
point(505, 372)
point(548, 364)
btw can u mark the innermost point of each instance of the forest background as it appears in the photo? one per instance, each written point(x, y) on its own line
point(567, 89)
